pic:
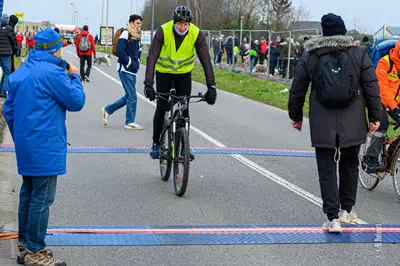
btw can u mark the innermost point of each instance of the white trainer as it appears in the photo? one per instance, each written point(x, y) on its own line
point(133, 126)
point(332, 226)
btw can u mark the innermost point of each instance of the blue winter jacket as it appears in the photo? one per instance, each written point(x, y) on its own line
point(39, 94)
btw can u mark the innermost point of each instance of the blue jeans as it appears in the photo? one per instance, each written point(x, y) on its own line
point(252, 61)
point(5, 64)
point(36, 196)
point(129, 99)
point(229, 58)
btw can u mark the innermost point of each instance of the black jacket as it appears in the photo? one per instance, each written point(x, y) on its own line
point(275, 53)
point(8, 40)
point(336, 127)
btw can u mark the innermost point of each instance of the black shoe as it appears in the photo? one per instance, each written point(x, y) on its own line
point(87, 79)
point(372, 165)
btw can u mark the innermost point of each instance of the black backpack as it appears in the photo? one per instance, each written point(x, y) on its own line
point(334, 80)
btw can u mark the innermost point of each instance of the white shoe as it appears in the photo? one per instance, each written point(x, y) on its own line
point(347, 218)
point(104, 116)
point(332, 226)
point(133, 126)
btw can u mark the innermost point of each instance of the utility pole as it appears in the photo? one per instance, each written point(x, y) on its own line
point(108, 5)
point(152, 20)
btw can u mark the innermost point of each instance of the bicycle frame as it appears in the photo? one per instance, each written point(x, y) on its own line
point(176, 106)
point(389, 149)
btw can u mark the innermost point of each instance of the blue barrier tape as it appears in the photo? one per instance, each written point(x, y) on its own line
point(196, 150)
point(217, 235)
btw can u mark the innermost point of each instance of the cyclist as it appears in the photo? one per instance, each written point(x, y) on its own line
point(387, 70)
point(172, 55)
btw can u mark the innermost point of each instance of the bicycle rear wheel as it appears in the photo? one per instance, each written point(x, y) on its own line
point(181, 161)
point(166, 158)
point(395, 173)
point(367, 181)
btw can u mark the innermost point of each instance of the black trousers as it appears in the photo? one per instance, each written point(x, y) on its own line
point(272, 66)
point(291, 68)
point(88, 59)
point(336, 197)
point(262, 58)
point(164, 82)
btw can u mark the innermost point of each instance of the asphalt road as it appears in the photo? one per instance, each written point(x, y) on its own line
point(125, 189)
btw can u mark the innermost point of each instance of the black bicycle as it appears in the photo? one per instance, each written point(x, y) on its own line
point(389, 159)
point(174, 140)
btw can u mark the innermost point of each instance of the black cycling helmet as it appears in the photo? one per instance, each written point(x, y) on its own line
point(182, 14)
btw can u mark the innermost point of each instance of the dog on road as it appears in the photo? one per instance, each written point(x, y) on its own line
point(104, 59)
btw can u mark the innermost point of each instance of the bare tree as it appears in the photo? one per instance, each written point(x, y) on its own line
point(281, 14)
point(302, 14)
point(357, 26)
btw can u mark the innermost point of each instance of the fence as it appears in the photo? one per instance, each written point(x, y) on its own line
point(225, 35)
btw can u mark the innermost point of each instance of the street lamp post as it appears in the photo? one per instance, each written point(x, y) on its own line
point(102, 13)
point(241, 29)
point(73, 12)
point(108, 6)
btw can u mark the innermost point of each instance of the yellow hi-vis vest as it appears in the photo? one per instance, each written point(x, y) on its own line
point(181, 61)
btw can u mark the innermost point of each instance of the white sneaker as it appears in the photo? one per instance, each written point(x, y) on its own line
point(332, 226)
point(104, 116)
point(347, 218)
point(133, 126)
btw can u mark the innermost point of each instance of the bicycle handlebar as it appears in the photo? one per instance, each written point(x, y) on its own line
point(164, 96)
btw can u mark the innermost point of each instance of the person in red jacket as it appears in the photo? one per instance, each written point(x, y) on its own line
point(85, 48)
point(20, 40)
point(263, 50)
point(30, 41)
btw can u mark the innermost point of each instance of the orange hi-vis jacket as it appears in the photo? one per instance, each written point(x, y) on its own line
point(387, 71)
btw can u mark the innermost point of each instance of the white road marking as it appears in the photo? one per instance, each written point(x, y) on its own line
point(249, 163)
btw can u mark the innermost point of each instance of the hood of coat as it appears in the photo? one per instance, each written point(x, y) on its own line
point(337, 41)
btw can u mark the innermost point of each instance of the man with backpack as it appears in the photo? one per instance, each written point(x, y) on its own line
point(8, 47)
point(342, 81)
point(387, 70)
point(85, 48)
point(127, 48)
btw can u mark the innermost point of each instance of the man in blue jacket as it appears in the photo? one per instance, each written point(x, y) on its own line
point(40, 93)
point(128, 53)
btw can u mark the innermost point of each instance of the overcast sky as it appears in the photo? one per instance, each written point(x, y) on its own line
point(366, 13)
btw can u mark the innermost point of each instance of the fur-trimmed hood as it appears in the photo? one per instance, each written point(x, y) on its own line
point(329, 42)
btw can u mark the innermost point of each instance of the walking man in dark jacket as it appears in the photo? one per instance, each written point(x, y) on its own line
point(8, 47)
point(337, 133)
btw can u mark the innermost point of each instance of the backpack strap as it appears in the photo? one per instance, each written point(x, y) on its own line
point(391, 63)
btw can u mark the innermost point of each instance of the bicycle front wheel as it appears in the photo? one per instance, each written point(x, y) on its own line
point(395, 172)
point(165, 156)
point(181, 161)
point(367, 181)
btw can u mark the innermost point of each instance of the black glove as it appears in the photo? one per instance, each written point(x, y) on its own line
point(150, 93)
point(395, 114)
point(94, 55)
point(211, 95)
